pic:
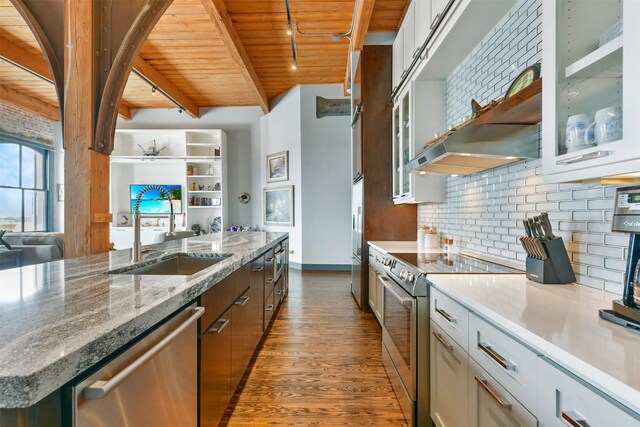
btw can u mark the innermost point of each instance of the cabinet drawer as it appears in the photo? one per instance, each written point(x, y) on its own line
point(563, 401)
point(449, 380)
point(450, 316)
point(278, 292)
point(269, 309)
point(508, 361)
point(490, 404)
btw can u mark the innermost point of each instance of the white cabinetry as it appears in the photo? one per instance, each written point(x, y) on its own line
point(584, 84)
point(421, 22)
point(195, 159)
point(490, 404)
point(375, 293)
point(564, 401)
point(398, 58)
point(408, 26)
point(416, 117)
point(449, 380)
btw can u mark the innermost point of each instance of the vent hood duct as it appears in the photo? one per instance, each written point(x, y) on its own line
point(474, 149)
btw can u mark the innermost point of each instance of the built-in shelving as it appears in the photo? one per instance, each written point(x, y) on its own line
point(604, 62)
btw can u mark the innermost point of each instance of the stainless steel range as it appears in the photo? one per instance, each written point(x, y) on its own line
point(405, 320)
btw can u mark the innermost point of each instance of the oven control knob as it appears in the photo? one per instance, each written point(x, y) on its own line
point(403, 274)
point(410, 277)
point(386, 261)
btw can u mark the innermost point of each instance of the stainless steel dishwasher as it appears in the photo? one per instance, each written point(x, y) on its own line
point(154, 383)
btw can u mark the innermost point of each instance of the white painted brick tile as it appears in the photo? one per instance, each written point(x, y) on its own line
point(577, 205)
point(610, 252)
point(615, 264)
point(587, 216)
point(588, 238)
point(610, 275)
point(593, 260)
point(616, 240)
point(600, 204)
point(614, 287)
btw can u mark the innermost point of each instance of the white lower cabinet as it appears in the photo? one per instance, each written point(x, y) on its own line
point(449, 380)
point(563, 401)
point(491, 405)
point(375, 293)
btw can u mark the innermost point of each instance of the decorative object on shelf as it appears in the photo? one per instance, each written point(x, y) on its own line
point(575, 132)
point(278, 167)
point(234, 228)
point(216, 152)
point(152, 150)
point(210, 170)
point(216, 225)
point(193, 186)
point(479, 110)
point(278, 205)
point(196, 229)
point(217, 187)
point(608, 126)
point(244, 198)
point(614, 31)
point(190, 170)
point(524, 79)
point(123, 219)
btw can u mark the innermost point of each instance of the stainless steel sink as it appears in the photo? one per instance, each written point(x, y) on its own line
point(175, 265)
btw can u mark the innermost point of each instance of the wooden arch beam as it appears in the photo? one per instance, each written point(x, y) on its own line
point(38, 66)
point(222, 21)
point(362, 18)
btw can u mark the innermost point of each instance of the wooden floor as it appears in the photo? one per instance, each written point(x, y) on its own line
point(320, 365)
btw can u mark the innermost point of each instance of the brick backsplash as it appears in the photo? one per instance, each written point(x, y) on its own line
point(25, 125)
point(483, 212)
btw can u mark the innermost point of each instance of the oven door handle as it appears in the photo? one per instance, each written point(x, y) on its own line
point(389, 286)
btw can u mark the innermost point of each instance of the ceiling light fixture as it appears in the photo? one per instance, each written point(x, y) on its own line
point(292, 35)
point(294, 65)
point(153, 90)
point(422, 173)
point(289, 30)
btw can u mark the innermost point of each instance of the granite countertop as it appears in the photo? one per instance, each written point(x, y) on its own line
point(560, 322)
point(60, 318)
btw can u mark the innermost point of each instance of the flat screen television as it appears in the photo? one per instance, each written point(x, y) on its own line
point(155, 202)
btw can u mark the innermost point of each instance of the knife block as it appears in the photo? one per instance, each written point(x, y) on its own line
point(556, 269)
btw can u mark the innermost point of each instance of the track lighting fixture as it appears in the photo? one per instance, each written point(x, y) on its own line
point(153, 90)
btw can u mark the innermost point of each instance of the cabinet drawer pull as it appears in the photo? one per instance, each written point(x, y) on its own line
point(269, 280)
point(258, 269)
point(269, 259)
point(242, 301)
point(223, 324)
point(449, 318)
point(416, 52)
point(435, 20)
point(278, 292)
point(442, 341)
point(268, 307)
point(496, 357)
point(574, 419)
point(500, 401)
point(585, 157)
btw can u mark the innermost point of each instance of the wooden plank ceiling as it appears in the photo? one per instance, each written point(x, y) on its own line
point(188, 51)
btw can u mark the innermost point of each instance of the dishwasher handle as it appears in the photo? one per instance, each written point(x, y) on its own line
point(100, 389)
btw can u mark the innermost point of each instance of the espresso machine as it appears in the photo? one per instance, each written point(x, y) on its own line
point(626, 219)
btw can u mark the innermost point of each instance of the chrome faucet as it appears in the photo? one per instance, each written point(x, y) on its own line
point(136, 252)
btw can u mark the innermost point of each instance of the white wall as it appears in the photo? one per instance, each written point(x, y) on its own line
point(319, 169)
point(326, 173)
point(280, 130)
point(242, 125)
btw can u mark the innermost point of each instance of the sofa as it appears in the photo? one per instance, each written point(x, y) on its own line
point(37, 247)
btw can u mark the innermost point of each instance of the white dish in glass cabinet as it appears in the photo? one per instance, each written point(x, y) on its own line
point(583, 77)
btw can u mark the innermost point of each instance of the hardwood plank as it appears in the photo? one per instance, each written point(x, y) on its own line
point(320, 365)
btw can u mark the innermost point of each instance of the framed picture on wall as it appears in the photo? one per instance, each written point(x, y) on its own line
point(278, 205)
point(278, 167)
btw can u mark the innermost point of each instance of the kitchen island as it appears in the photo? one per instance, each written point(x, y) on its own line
point(61, 319)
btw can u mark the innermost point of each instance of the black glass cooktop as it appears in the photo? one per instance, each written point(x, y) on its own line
point(442, 263)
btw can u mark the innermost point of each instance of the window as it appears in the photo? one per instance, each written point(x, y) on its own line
point(23, 187)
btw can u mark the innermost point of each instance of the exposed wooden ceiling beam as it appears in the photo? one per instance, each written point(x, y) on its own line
point(364, 11)
point(24, 102)
point(154, 78)
point(37, 65)
point(220, 17)
point(361, 23)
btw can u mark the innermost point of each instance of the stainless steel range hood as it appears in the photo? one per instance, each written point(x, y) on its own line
point(474, 149)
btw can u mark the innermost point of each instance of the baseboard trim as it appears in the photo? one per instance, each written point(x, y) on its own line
point(326, 267)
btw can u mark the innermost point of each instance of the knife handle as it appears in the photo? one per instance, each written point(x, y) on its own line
point(546, 224)
point(527, 229)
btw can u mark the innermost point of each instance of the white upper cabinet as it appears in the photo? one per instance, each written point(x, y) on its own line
point(421, 22)
point(416, 117)
point(398, 58)
point(590, 113)
point(408, 26)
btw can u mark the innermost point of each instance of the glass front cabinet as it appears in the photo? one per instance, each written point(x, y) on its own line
point(417, 116)
point(591, 115)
